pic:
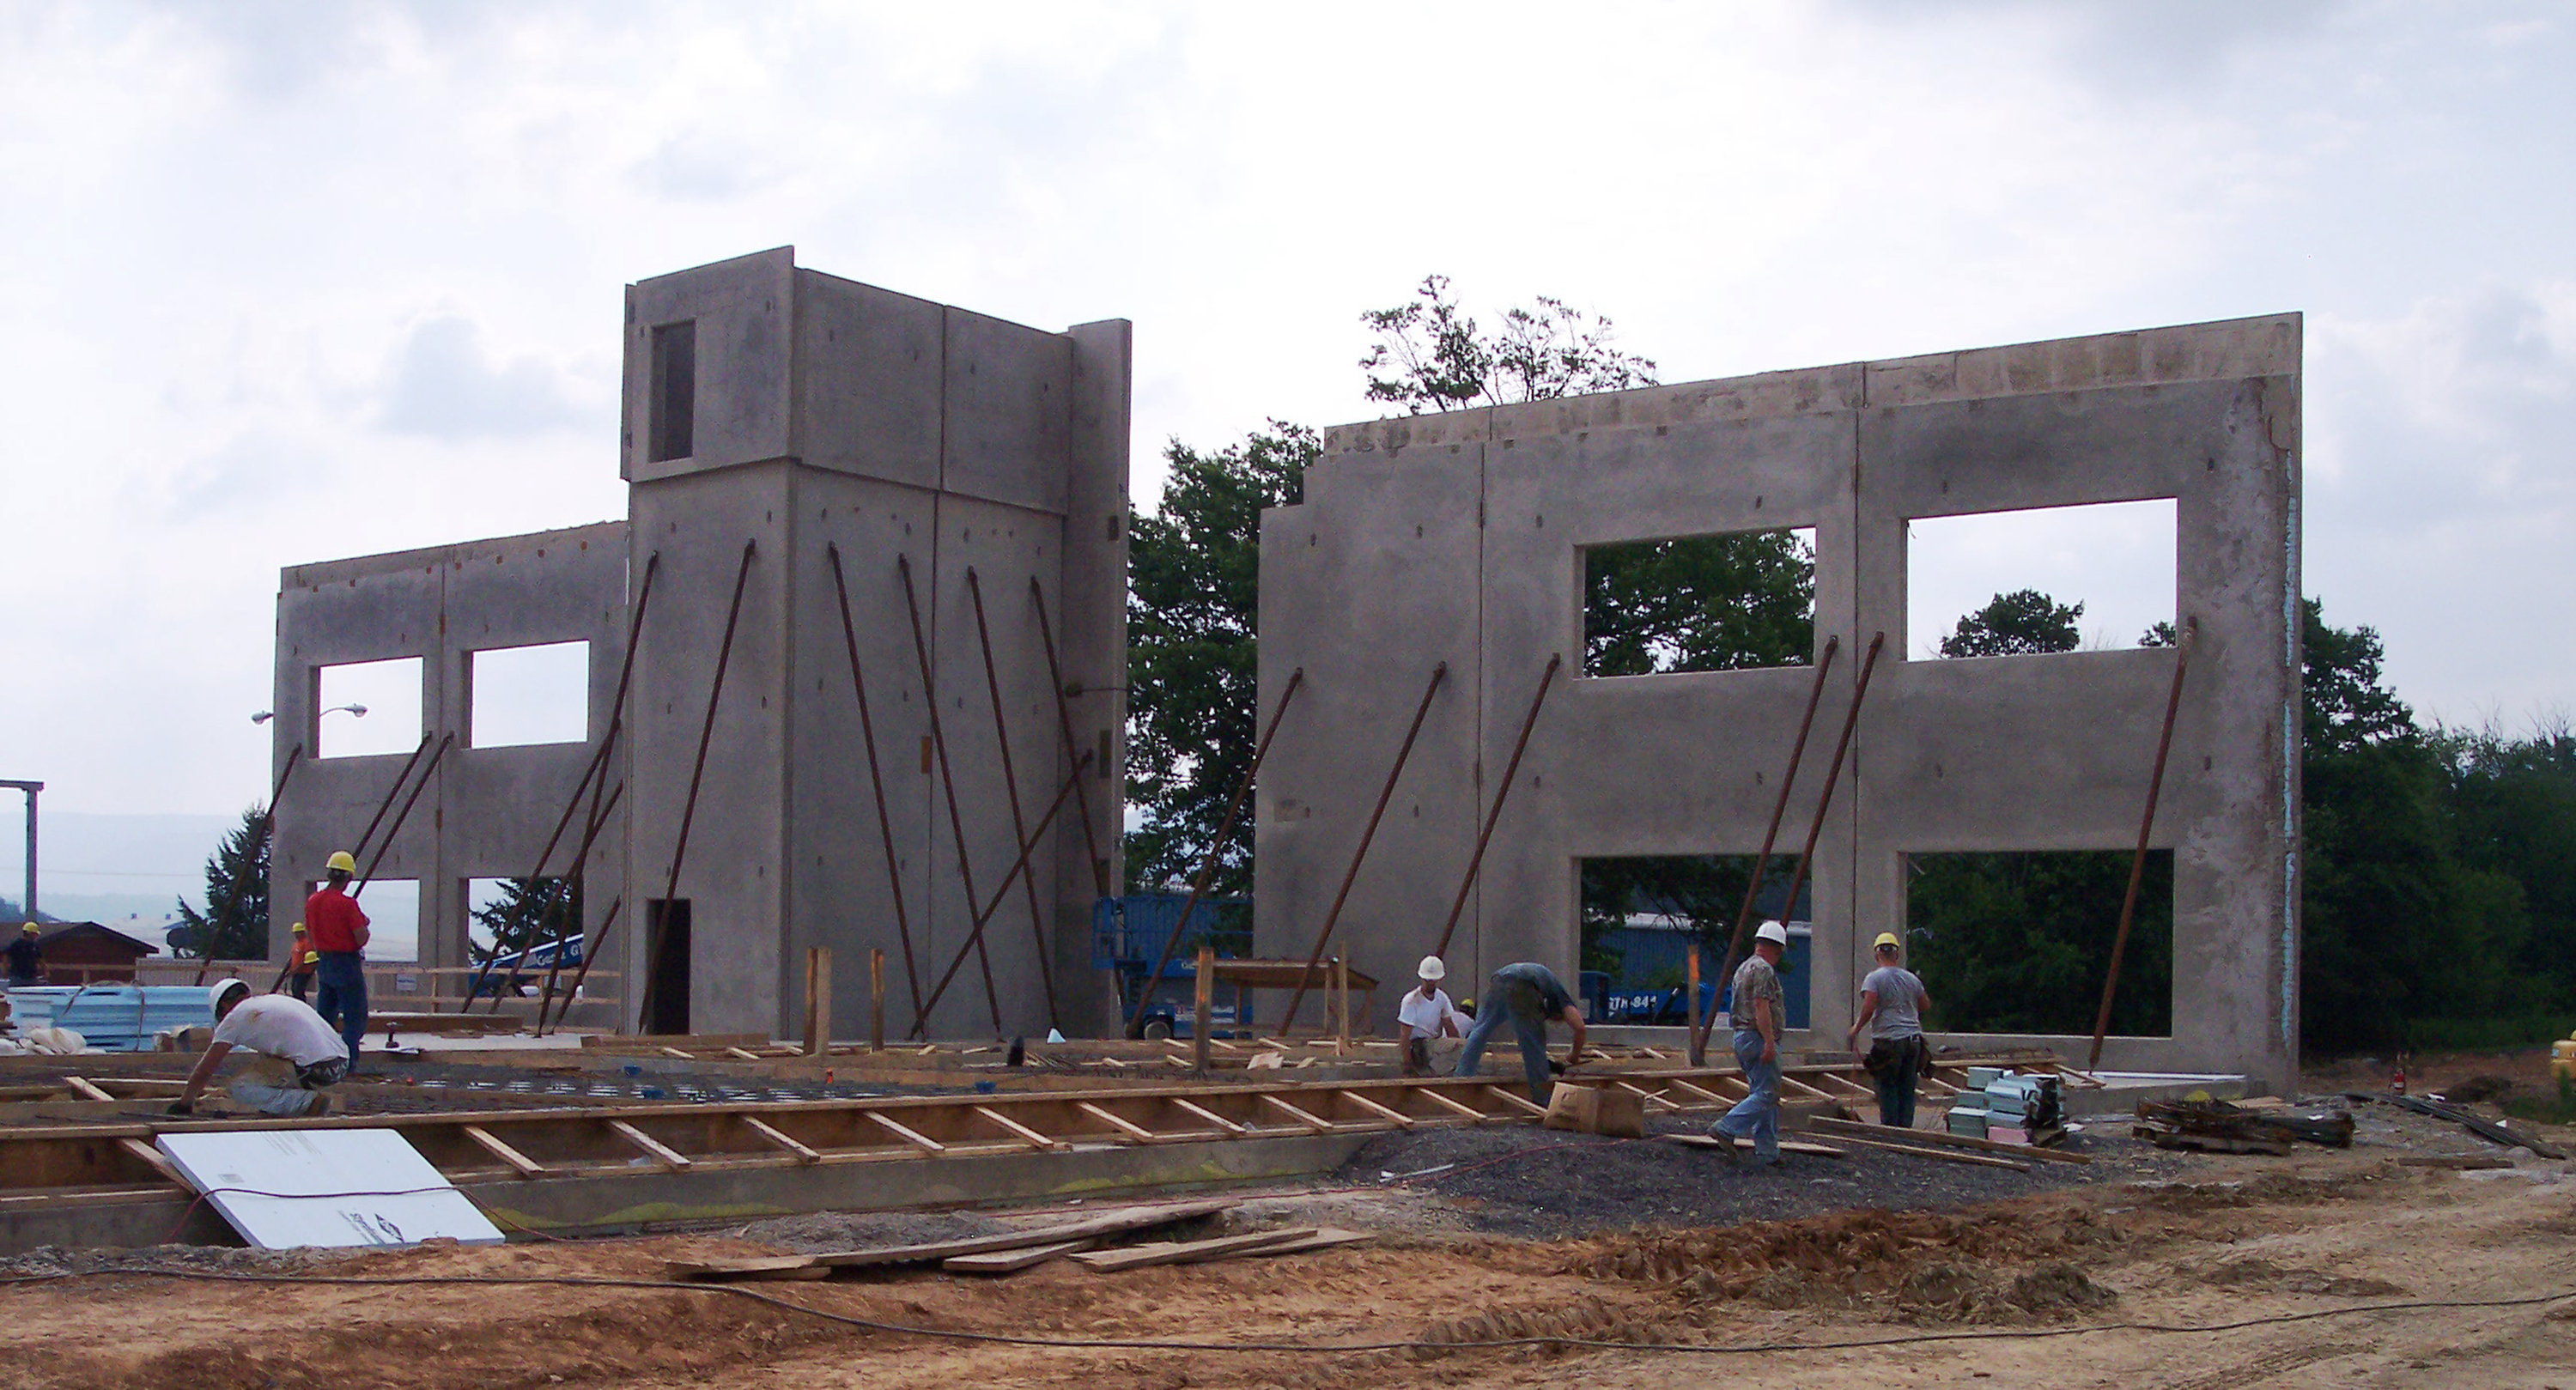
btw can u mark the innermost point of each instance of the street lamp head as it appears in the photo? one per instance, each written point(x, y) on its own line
point(263, 716)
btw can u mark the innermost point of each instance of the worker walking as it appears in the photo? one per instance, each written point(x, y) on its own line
point(1892, 1001)
point(26, 958)
point(300, 960)
point(1425, 1014)
point(338, 931)
point(1530, 995)
point(298, 1054)
point(1755, 1003)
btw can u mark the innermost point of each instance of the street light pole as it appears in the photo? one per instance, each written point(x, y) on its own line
point(30, 788)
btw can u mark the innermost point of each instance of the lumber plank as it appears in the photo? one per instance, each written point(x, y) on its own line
point(1787, 1146)
point(1926, 1151)
point(1649, 1097)
point(1825, 1124)
point(653, 1148)
point(1108, 1223)
point(905, 1133)
point(86, 1089)
point(1324, 1239)
point(1027, 1135)
point(160, 1161)
point(1188, 1251)
point(1311, 1121)
point(1517, 1102)
point(1706, 1095)
point(1116, 1121)
point(746, 1267)
point(771, 1133)
point(1223, 1124)
point(1393, 1116)
point(1432, 1094)
point(519, 1163)
point(1013, 1261)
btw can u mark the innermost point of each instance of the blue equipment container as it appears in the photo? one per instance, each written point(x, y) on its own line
point(114, 1017)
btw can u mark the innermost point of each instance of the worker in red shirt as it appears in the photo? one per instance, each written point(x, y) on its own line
point(338, 931)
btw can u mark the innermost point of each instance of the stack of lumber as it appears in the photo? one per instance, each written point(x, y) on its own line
point(1011, 1251)
point(2214, 1126)
point(1938, 1144)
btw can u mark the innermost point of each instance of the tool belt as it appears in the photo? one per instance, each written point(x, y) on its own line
point(1893, 1057)
point(313, 1076)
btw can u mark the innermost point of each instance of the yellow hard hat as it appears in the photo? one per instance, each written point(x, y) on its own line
point(31, 929)
point(343, 861)
point(298, 929)
point(1886, 941)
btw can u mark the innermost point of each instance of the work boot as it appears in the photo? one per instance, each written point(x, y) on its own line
point(1727, 1152)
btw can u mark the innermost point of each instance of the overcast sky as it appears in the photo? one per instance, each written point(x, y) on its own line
point(287, 282)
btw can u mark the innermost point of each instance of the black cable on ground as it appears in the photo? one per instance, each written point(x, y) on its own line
point(1342, 1349)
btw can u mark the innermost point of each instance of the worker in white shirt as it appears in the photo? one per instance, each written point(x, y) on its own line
point(1425, 1014)
point(298, 1054)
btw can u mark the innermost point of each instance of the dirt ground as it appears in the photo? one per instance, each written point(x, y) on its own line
point(2024, 1279)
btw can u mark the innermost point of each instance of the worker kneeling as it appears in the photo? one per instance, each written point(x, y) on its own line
point(298, 1054)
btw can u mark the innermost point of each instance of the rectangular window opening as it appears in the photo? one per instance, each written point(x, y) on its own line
point(368, 708)
point(2019, 941)
point(529, 695)
point(2052, 579)
point(524, 918)
point(1643, 913)
point(674, 391)
point(1732, 602)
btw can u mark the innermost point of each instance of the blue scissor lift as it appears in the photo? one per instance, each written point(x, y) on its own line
point(1128, 935)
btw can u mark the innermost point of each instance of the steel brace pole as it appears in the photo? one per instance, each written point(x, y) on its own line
point(654, 923)
point(1216, 847)
point(1306, 977)
point(876, 780)
point(1072, 746)
point(1457, 905)
point(394, 830)
point(2138, 861)
point(1011, 788)
point(983, 915)
point(948, 782)
point(1779, 808)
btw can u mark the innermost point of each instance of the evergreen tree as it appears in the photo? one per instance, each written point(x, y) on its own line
point(234, 925)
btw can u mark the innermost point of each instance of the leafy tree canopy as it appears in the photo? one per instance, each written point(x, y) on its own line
point(2020, 623)
point(1430, 355)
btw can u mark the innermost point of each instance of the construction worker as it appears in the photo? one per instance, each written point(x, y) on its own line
point(298, 1054)
point(1530, 995)
point(1426, 1013)
point(1892, 1001)
point(26, 959)
point(1756, 1004)
point(339, 936)
point(300, 960)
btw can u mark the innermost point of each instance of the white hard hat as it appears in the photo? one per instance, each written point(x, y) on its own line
point(1772, 932)
point(1432, 969)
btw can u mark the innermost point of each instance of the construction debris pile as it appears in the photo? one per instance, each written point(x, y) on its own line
point(2214, 1126)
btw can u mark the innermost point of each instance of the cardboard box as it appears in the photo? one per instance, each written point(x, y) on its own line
point(1597, 1110)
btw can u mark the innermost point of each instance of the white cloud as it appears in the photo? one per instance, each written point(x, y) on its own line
point(441, 384)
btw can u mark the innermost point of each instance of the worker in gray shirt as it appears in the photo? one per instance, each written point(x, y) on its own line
point(1530, 995)
point(1892, 1000)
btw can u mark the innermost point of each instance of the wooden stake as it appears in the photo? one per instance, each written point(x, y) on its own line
point(818, 1000)
point(876, 1000)
point(1199, 1021)
point(1694, 997)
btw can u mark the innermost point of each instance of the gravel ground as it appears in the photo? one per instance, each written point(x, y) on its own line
point(1547, 1184)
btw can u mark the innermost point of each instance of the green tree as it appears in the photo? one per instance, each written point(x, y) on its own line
point(1192, 612)
point(1430, 355)
point(234, 925)
point(2020, 623)
point(1701, 603)
point(2017, 942)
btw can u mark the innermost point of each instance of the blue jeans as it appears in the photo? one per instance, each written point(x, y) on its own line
point(340, 996)
point(1520, 1003)
point(284, 1101)
point(1757, 1116)
point(1896, 1086)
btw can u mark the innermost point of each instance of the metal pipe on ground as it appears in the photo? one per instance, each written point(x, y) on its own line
point(1288, 1017)
point(1216, 847)
point(2146, 824)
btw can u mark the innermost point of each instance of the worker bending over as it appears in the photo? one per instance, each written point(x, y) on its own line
point(1425, 1014)
point(339, 934)
point(1892, 1001)
point(1530, 995)
point(1755, 1005)
point(298, 1054)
